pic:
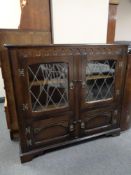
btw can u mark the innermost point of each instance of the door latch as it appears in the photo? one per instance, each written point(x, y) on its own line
point(82, 125)
point(29, 142)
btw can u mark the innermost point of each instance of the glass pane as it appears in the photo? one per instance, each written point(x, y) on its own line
point(48, 86)
point(100, 78)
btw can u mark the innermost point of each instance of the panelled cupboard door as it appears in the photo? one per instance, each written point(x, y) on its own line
point(47, 100)
point(52, 130)
point(99, 121)
point(102, 80)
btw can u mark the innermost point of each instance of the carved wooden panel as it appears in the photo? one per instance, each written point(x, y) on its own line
point(51, 130)
point(59, 50)
point(99, 120)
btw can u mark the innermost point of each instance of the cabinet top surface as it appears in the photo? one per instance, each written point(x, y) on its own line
point(63, 45)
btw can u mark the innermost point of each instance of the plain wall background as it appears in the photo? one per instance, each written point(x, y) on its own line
point(123, 24)
point(10, 12)
point(80, 21)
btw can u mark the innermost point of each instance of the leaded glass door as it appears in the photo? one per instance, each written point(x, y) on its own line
point(47, 99)
point(48, 88)
point(101, 81)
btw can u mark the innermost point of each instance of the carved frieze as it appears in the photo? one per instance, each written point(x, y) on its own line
point(70, 51)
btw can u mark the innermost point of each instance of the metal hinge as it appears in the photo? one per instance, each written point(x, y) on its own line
point(120, 64)
point(117, 92)
point(27, 130)
point(21, 72)
point(29, 142)
point(24, 107)
point(82, 125)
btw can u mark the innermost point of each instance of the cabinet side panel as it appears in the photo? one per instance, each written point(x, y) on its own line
point(126, 107)
point(6, 72)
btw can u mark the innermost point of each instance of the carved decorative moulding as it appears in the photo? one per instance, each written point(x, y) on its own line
point(114, 1)
point(62, 51)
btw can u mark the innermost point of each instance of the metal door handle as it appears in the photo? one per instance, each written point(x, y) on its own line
point(82, 125)
point(83, 84)
point(71, 128)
